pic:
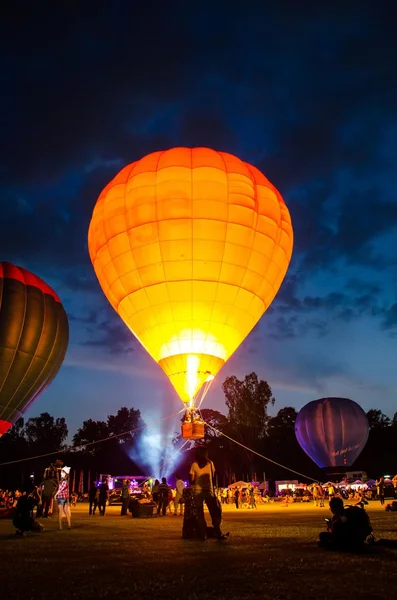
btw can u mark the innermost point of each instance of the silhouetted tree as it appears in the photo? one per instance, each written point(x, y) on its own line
point(91, 431)
point(378, 456)
point(45, 433)
point(248, 403)
point(125, 421)
point(377, 419)
point(217, 420)
point(248, 419)
point(112, 453)
point(283, 422)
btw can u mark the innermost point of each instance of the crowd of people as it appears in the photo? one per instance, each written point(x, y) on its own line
point(9, 499)
point(172, 500)
point(169, 499)
point(358, 493)
point(53, 497)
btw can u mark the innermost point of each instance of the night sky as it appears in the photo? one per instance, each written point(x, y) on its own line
point(307, 92)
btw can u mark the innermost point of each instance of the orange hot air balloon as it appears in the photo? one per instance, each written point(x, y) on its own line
point(190, 247)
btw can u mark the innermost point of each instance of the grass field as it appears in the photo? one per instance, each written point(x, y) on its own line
point(271, 553)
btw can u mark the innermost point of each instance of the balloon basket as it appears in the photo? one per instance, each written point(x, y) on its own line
point(193, 427)
point(192, 431)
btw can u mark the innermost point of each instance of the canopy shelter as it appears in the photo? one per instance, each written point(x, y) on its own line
point(239, 484)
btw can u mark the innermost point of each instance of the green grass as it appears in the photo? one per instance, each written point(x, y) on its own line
point(271, 553)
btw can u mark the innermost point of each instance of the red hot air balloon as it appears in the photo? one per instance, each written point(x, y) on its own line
point(332, 431)
point(34, 335)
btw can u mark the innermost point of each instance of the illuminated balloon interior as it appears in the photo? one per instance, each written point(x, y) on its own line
point(190, 247)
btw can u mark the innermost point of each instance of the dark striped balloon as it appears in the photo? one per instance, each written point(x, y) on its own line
point(332, 431)
point(34, 335)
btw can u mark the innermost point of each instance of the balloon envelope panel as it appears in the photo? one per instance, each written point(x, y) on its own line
point(332, 431)
point(190, 247)
point(34, 336)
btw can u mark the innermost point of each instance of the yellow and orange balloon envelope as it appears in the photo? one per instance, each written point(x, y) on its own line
point(190, 247)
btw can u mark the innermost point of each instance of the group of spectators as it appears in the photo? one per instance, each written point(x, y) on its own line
point(241, 496)
point(357, 494)
point(169, 500)
point(173, 499)
point(319, 493)
point(9, 499)
point(349, 526)
point(33, 502)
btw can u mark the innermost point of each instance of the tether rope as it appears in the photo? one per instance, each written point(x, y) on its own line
point(260, 455)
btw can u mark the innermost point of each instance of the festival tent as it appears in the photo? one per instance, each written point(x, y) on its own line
point(239, 484)
point(358, 484)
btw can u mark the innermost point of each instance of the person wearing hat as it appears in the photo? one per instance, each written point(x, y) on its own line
point(62, 497)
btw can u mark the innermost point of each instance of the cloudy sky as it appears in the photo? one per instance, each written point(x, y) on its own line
point(304, 91)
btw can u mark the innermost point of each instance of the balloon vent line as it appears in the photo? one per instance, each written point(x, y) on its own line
point(260, 455)
point(73, 448)
point(205, 392)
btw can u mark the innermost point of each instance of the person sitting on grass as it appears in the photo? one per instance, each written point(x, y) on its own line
point(348, 529)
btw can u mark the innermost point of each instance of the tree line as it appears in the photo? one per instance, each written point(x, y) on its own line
point(47, 435)
point(248, 422)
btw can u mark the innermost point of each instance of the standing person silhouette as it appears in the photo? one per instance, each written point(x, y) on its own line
point(62, 497)
point(93, 498)
point(202, 481)
point(125, 497)
point(380, 488)
point(163, 497)
point(179, 487)
point(103, 496)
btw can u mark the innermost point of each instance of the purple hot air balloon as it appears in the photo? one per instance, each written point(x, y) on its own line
point(332, 431)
